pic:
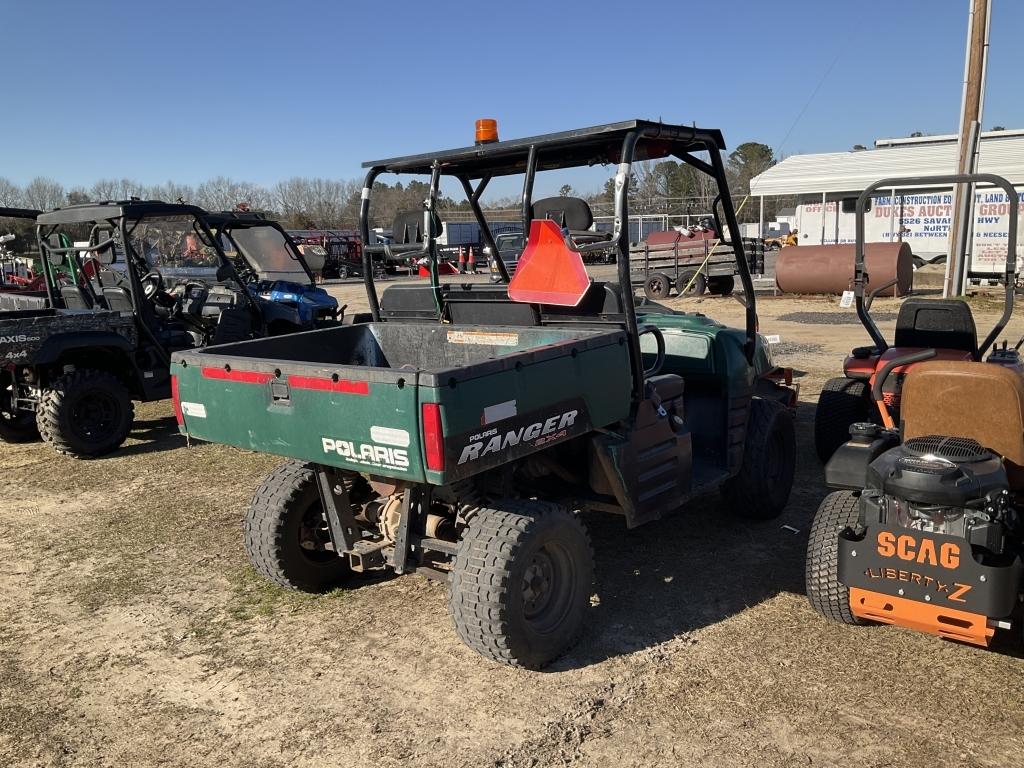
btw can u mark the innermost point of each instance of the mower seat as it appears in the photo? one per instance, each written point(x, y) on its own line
point(936, 324)
point(981, 401)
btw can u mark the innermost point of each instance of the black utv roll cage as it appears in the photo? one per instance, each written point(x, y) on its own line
point(616, 143)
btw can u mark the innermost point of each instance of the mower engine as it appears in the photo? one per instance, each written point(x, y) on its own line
point(943, 485)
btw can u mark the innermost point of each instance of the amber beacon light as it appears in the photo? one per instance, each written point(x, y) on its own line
point(486, 131)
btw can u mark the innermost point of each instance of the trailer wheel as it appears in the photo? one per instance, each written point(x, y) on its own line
point(842, 402)
point(761, 488)
point(698, 285)
point(286, 534)
point(521, 582)
point(827, 595)
point(721, 286)
point(85, 413)
point(344, 272)
point(658, 286)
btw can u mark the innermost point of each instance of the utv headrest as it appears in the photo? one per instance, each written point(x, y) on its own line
point(568, 212)
point(408, 227)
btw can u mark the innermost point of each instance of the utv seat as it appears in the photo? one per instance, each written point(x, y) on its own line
point(936, 324)
point(572, 214)
point(118, 299)
point(981, 401)
point(75, 298)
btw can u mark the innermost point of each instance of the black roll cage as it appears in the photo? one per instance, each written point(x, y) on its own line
point(860, 274)
point(618, 143)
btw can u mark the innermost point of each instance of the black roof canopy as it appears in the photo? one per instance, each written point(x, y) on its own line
point(598, 145)
point(115, 209)
point(238, 219)
point(19, 213)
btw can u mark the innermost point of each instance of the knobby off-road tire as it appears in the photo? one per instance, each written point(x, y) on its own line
point(85, 413)
point(826, 594)
point(521, 582)
point(843, 401)
point(761, 488)
point(286, 532)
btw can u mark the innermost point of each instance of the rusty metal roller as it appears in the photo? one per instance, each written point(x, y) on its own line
point(829, 268)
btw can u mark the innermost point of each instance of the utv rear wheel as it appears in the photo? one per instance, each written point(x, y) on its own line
point(761, 489)
point(521, 582)
point(286, 534)
point(85, 413)
point(842, 402)
point(658, 286)
point(828, 596)
point(721, 286)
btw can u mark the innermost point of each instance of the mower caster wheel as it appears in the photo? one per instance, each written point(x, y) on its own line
point(85, 413)
point(521, 582)
point(842, 402)
point(827, 595)
point(286, 533)
point(761, 488)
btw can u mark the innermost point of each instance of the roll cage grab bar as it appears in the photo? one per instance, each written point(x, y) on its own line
point(619, 240)
point(860, 274)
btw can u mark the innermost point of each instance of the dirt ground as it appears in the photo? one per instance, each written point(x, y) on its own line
point(134, 633)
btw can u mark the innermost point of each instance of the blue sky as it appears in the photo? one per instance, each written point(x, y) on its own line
point(262, 91)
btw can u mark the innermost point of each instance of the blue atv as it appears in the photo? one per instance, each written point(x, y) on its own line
point(275, 272)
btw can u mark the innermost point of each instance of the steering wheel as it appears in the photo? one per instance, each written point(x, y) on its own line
point(152, 283)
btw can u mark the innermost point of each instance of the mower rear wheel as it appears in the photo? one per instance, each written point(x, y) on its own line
point(827, 595)
point(658, 286)
point(842, 402)
point(85, 413)
point(761, 488)
point(286, 533)
point(721, 286)
point(521, 582)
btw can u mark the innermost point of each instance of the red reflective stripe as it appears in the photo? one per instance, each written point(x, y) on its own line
point(177, 402)
point(330, 385)
point(246, 377)
point(433, 437)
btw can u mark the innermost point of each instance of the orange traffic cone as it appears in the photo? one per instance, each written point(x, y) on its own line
point(472, 261)
point(462, 261)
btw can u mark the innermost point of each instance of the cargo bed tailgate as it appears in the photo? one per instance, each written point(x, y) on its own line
point(358, 418)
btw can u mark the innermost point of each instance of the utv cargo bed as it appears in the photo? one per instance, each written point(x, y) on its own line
point(433, 403)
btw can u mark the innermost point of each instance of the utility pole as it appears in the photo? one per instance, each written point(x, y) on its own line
point(975, 70)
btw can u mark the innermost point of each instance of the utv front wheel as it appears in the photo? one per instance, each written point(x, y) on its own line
point(286, 534)
point(842, 402)
point(85, 413)
point(521, 582)
point(827, 595)
point(761, 488)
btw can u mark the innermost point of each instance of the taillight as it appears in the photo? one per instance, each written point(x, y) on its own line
point(177, 402)
point(433, 438)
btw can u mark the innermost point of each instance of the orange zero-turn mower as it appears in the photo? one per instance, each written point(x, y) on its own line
point(944, 325)
point(925, 529)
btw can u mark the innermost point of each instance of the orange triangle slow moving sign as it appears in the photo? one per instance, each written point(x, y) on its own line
point(549, 272)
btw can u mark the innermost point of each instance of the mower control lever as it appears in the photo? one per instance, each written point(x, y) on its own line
point(880, 377)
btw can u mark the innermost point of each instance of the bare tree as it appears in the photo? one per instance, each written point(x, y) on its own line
point(115, 189)
point(44, 194)
point(10, 193)
point(170, 192)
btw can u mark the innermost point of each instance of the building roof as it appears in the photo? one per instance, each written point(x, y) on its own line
point(1001, 153)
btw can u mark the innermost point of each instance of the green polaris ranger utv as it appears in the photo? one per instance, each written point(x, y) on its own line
point(459, 432)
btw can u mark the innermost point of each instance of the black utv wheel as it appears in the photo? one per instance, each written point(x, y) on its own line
point(721, 286)
point(697, 282)
point(828, 596)
point(658, 286)
point(761, 488)
point(286, 534)
point(85, 413)
point(16, 426)
point(521, 582)
point(842, 402)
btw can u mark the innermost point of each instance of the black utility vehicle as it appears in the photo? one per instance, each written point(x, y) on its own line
point(151, 280)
